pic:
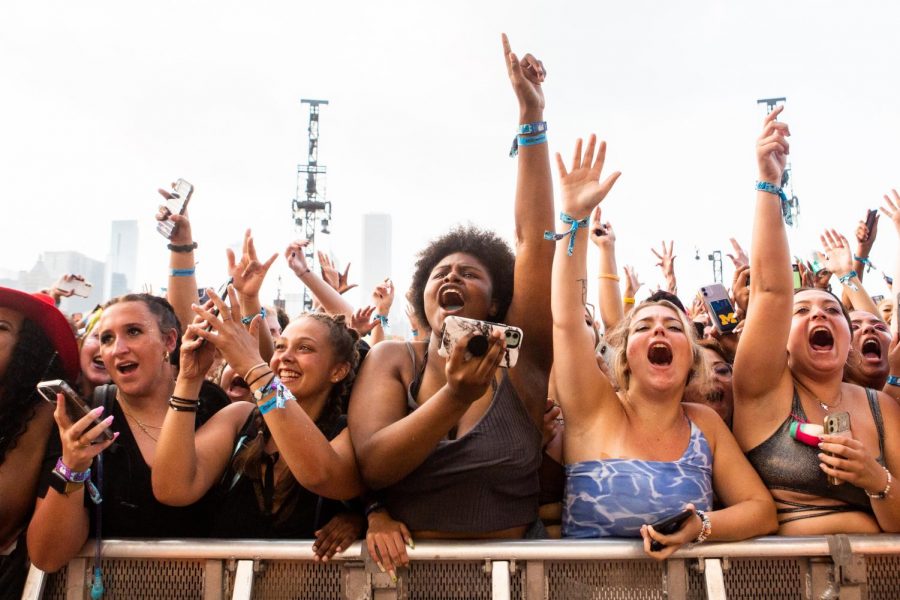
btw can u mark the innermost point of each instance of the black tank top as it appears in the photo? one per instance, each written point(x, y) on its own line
point(486, 480)
point(783, 463)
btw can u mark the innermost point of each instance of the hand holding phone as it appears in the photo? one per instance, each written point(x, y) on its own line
point(175, 204)
point(668, 526)
point(718, 305)
point(73, 285)
point(837, 424)
point(75, 406)
point(456, 328)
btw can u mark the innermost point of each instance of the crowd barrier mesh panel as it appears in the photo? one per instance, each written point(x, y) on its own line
point(294, 580)
point(55, 587)
point(883, 577)
point(613, 580)
point(770, 578)
point(456, 580)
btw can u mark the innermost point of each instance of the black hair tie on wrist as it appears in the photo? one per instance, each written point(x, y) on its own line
point(183, 248)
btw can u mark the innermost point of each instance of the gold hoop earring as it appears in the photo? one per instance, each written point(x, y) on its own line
point(166, 356)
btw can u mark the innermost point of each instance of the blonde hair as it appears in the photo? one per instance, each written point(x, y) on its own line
point(618, 339)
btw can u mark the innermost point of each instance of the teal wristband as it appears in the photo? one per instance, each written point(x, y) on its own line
point(382, 319)
point(183, 272)
point(893, 380)
point(248, 319)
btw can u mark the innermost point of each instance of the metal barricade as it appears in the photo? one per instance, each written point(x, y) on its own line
point(770, 567)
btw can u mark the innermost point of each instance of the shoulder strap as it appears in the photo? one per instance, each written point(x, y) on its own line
point(875, 407)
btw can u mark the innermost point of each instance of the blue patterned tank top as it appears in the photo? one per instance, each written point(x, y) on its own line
point(614, 497)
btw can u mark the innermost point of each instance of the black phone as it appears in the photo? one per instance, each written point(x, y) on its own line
point(75, 406)
point(870, 222)
point(668, 526)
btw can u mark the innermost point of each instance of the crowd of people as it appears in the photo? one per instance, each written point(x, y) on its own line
point(220, 417)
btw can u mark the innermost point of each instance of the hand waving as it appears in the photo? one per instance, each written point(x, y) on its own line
point(581, 187)
point(838, 257)
point(248, 274)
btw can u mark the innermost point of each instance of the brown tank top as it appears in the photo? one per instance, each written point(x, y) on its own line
point(486, 480)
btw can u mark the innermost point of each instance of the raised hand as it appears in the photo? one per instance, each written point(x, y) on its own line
point(238, 344)
point(891, 209)
point(739, 258)
point(332, 276)
point(632, 282)
point(666, 258)
point(362, 322)
point(581, 187)
point(838, 257)
point(296, 259)
point(865, 238)
point(248, 274)
point(383, 297)
point(526, 76)
point(602, 234)
point(772, 148)
point(740, 287)
point(196, 357)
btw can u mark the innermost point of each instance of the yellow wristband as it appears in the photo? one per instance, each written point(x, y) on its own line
point(628, 300)
point(608, 276)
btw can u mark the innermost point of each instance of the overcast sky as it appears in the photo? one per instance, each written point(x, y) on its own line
point(105, 101)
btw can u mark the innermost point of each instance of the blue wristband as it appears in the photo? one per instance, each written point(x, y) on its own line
point(268, 406)
point(549, 235)
point(845, 279)
point(533, 140)
point(382, 319)
point(524, 138)
point(893, 380)
point(183, 272)
point(532, 128)
point(248, 319)
point(765, 186)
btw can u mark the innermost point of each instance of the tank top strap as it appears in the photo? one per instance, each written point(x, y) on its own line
point(413, 390)
point(875, 407)
point(797, 411)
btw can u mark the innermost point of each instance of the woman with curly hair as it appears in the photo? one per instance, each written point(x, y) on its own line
point(452, 446)
point(282, 463)
point(36, 343)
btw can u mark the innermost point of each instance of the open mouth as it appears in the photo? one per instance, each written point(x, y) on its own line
point(871, 348)
point(238, 382)
point(715, 396)
point(97, 363)
point(287, 375)
point(660, 355)
point(821, 339)
point(126, 367)
point(451, 299)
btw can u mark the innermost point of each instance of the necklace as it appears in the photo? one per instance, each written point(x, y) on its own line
point(143, 426)
point(826, 407)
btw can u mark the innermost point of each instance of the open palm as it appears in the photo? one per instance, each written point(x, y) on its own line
point(581, 186)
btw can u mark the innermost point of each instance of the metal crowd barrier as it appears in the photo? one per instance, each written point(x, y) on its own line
point(826, 567)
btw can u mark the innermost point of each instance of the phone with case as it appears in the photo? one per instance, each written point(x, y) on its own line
point(78, 287)
point(718, 305)
point(176, 205)
point(668, 526)
point(458, 327)
point(837, 424)
point(75, 406)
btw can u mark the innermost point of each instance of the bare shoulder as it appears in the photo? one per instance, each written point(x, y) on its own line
point(890, 408)
point(708, 420)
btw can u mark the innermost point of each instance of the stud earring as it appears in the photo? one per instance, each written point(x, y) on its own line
point(166, 356)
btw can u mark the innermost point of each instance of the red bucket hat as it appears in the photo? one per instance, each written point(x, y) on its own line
point(41, 309)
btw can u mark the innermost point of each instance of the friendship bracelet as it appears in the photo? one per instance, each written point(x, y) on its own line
point(70, 475)
point(183, 272)
point(846, 280)
point(382, 319)
point(249, 383)
point(627, 300)
point(555, 237)
point(864, 260)
point(182, 248)
point(765, 186)
point(893, 380)
point(883, 493)
point(274, 390)
point(268, 406)
point(253, 368)
point(536, 129)
point(608, 276)
point(706, 530)
point(249, 318)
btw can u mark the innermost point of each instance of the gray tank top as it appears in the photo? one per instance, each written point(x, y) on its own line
point(486, 480)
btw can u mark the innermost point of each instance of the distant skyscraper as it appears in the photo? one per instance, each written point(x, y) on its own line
point(121, 272)
point(376, 258)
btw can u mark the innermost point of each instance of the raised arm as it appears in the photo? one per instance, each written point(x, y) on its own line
point(330, 299)
point(761, 359)
point(574, 364)
point(182, 290)
point(865, 239)
point(632, 285)
point(666, 264)
point(530, 307)
point(891, 209)
point(610, 299)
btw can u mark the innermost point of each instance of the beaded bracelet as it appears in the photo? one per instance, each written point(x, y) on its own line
point(883, 493)
point(706, 530)
point(182, 248)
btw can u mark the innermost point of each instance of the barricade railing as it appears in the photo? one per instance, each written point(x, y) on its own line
point(837, 566)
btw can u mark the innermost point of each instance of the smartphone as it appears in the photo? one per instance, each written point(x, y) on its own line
point(877, 298)
point(222, 293)
point(837, 424)
point(668, 526)
point(719, 306)
point(78, 287)
point(457, 327)
point(798, 281)
point(814, 265)
point(176, 205)
point(870, 222)
point(75, 406)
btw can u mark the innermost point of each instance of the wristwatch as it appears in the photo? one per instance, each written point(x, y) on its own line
point(63, 485)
